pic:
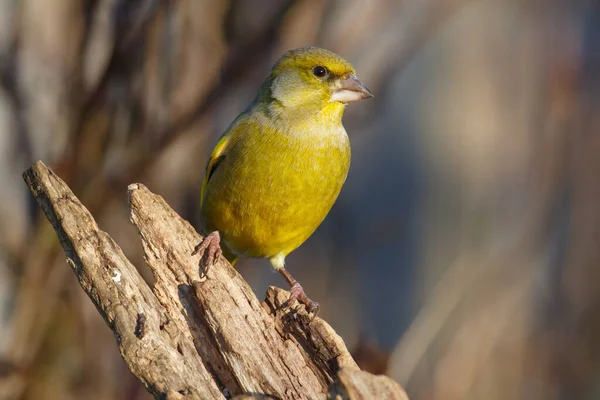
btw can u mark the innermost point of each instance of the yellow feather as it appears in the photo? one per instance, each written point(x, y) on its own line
point(276, 172)
point(216, 154)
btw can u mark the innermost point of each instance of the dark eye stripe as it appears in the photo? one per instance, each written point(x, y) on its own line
point(319, 71)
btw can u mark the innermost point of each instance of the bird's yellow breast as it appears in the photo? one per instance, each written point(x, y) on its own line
point(273, 187)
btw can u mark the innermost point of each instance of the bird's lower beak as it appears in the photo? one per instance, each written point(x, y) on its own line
point(350, 89)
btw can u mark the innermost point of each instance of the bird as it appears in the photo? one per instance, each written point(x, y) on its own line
point(277, 170)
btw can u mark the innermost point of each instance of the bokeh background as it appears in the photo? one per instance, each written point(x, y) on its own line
point(462, 257)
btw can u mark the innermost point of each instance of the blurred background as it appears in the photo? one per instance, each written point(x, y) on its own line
point(462, 255)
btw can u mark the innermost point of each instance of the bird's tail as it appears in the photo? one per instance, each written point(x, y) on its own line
point(232, 258)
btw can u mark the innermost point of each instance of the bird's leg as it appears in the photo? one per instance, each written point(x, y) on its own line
point(211, 251)
point(297, 293)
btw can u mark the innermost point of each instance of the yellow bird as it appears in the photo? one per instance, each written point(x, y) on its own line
point(279, 167)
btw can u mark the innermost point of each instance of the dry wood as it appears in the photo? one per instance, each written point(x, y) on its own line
point(192, 337)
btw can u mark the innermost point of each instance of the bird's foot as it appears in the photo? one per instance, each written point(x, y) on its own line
point(211, 251)
point(297, 293)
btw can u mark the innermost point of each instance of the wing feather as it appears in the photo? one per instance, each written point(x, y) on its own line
point(218, 154)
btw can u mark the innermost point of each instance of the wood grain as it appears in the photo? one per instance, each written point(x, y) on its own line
point(189, 337)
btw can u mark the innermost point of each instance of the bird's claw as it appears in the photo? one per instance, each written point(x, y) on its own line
point(211, 251)
point(297, 293)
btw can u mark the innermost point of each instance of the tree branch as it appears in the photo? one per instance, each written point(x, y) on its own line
point(191, 337)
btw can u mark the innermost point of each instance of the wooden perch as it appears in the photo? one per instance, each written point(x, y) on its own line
point(198, 338)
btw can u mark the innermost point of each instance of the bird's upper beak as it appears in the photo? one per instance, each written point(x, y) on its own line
point(350, 89)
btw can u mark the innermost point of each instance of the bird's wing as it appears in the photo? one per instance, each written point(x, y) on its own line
point(216, 157)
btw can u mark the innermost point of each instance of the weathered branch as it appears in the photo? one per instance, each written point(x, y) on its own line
point(192, 337)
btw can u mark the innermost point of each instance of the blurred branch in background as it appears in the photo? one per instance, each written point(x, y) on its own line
point(469, 219)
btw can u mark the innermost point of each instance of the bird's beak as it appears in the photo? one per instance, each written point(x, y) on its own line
point(350, 89)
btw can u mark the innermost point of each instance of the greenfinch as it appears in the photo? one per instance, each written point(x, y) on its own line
point(277, 170)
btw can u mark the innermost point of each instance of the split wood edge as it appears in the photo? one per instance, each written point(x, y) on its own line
point(189, 337)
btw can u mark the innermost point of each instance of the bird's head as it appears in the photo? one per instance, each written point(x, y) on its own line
point(312, 80)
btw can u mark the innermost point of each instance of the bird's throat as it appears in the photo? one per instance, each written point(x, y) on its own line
point(324, 116)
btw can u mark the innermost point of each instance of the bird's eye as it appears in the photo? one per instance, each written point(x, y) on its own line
point(319, 71)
